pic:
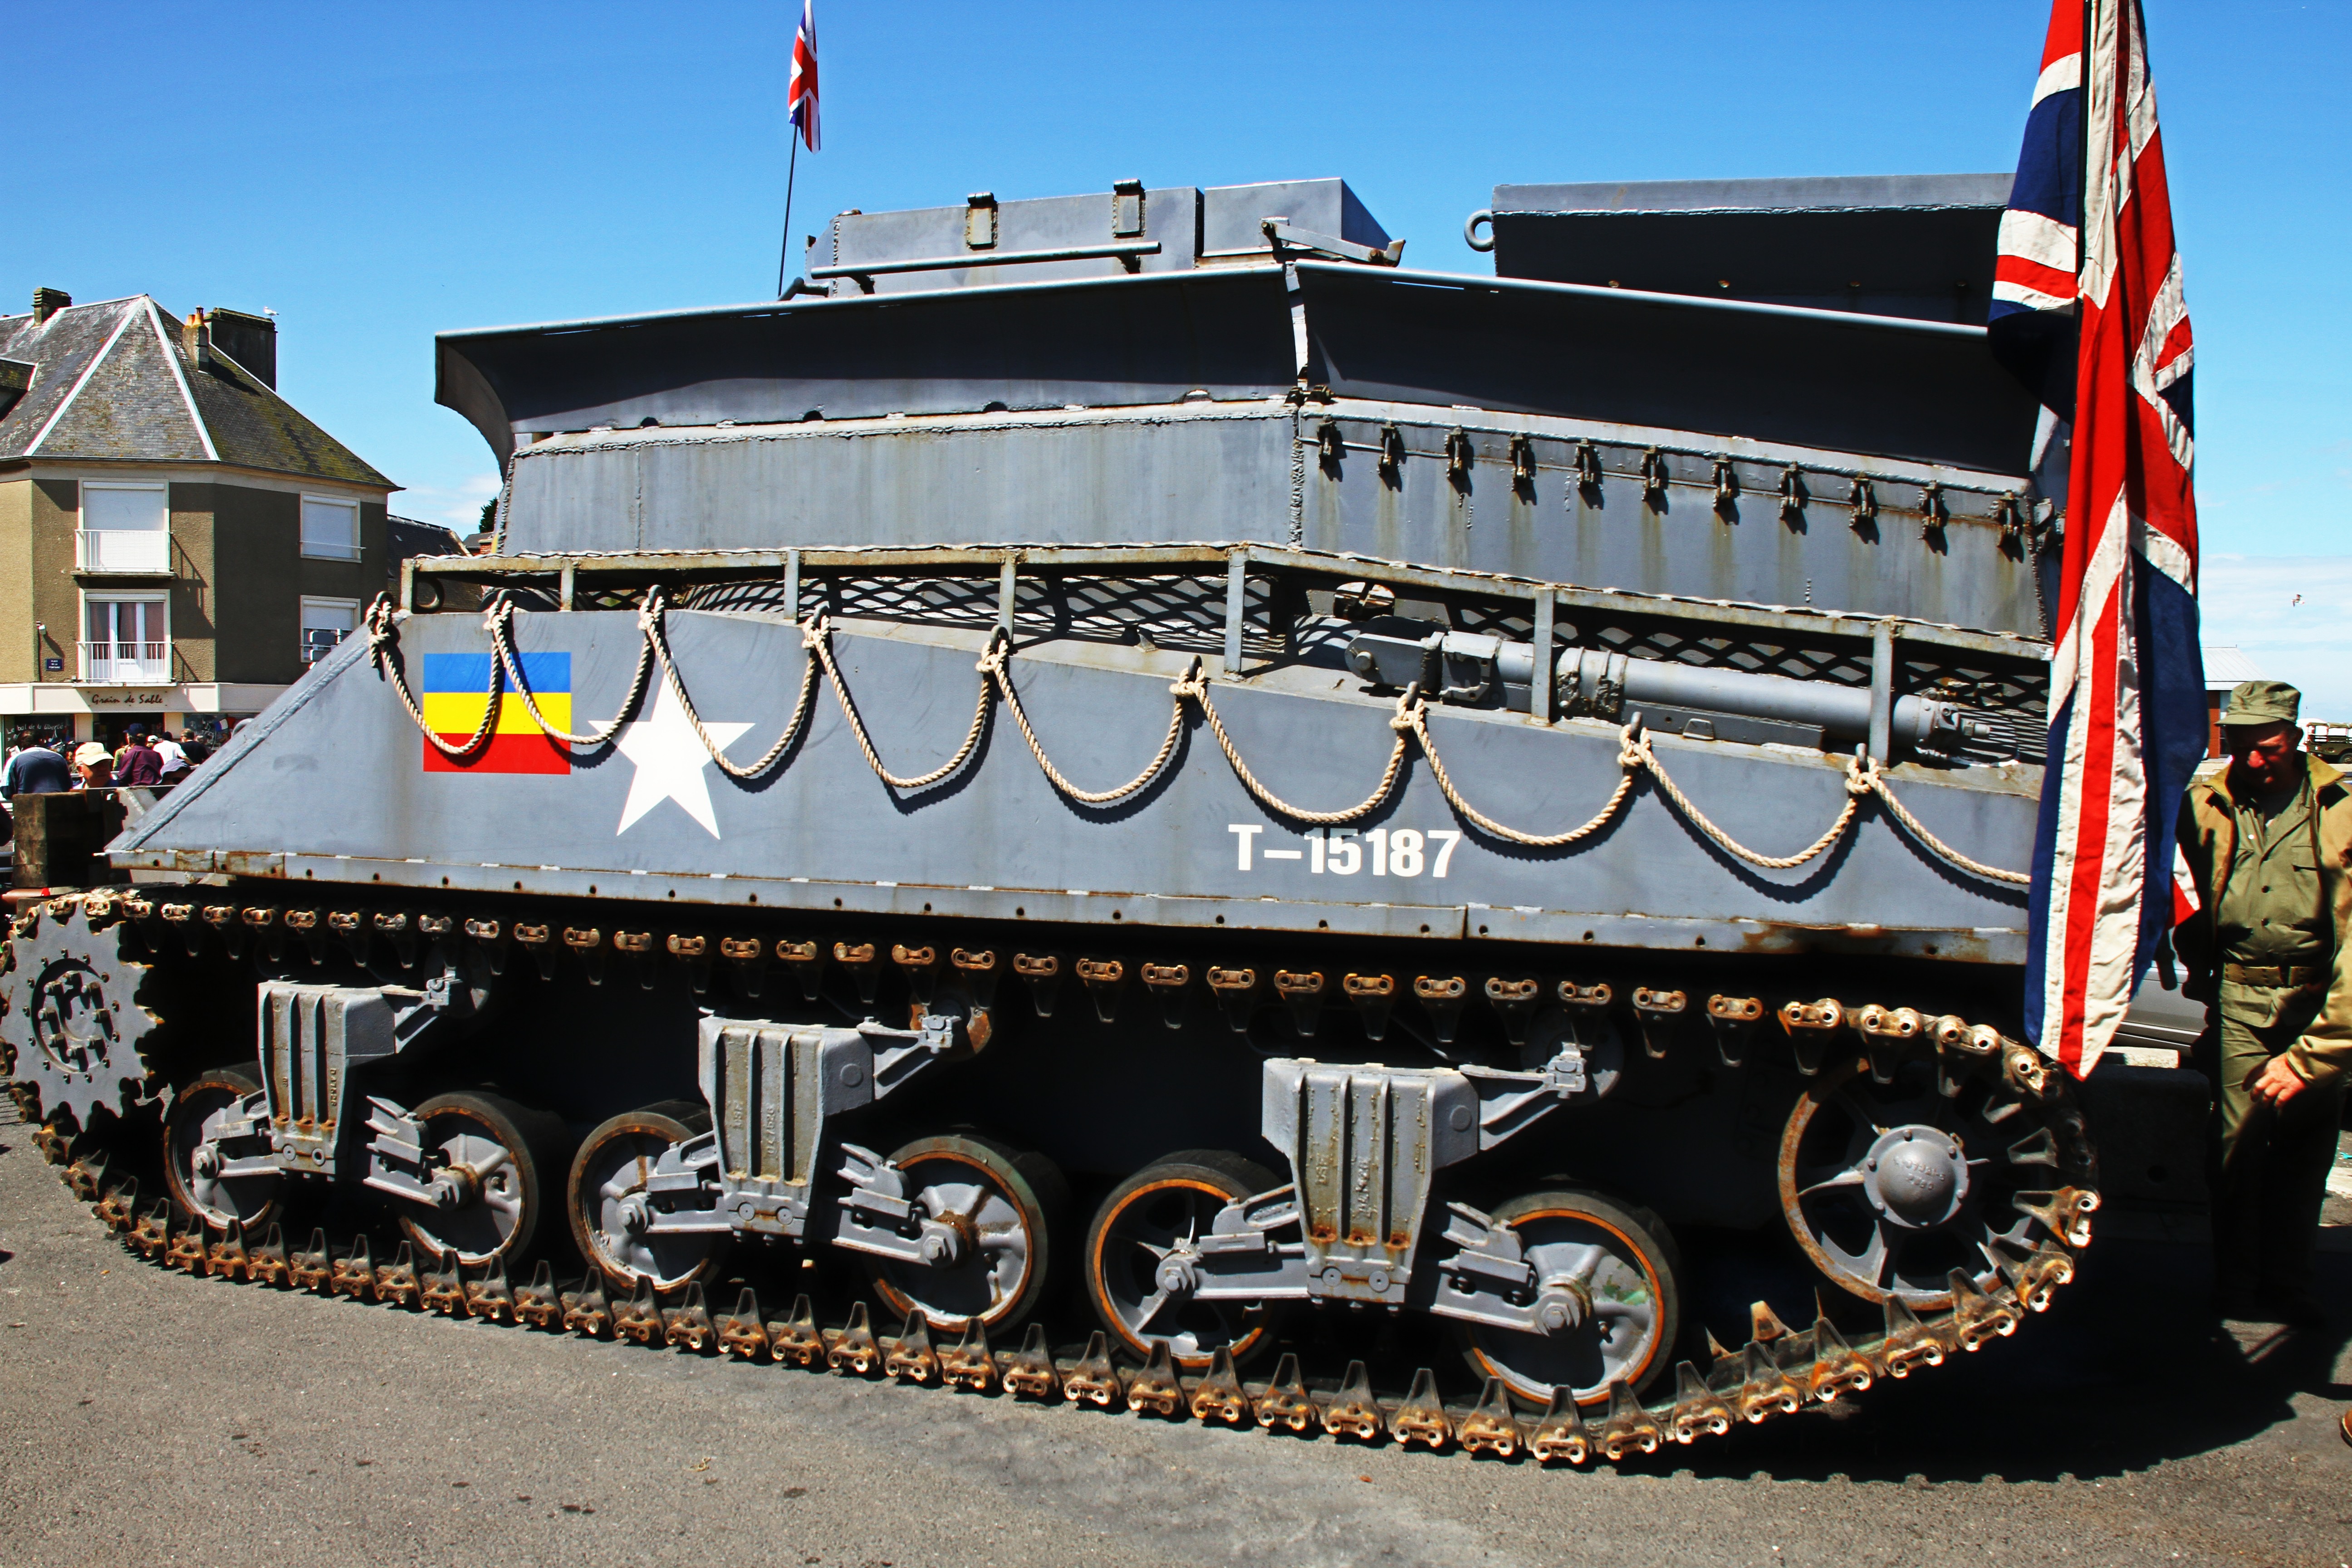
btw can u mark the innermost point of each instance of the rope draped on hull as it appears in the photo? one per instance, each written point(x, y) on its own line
point(1410, 721)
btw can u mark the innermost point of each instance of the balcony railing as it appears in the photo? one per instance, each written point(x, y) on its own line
point(127, 663)
point(318, 642)
point(144, 551)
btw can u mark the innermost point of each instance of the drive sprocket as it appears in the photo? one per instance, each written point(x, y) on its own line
point(70, 1014)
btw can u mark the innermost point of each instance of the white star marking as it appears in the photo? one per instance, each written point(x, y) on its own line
point(671, 762)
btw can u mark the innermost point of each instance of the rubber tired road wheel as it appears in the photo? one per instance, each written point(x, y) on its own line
point(1621, 1260)
point(503, 1157)
point(1144, 1218)
point(190, 1161)
point(997, 1210)
point(605, 1199)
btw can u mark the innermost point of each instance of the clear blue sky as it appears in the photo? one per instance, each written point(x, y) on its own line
point(377, 174)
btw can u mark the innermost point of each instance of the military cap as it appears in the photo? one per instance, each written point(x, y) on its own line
point(2263, 702)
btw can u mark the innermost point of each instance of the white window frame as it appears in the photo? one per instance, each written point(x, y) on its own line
point(122, 550)
point(347, 607)
point(351, 551)
point(89, 665)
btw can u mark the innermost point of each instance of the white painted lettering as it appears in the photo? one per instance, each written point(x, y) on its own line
point(1340, 851)
point(1346, 856)
point(1453, 838)
point(1404, 852)
point(1247, 834)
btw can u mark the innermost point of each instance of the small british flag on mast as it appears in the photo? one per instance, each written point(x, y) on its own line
point(800, 98)
point(799, 113)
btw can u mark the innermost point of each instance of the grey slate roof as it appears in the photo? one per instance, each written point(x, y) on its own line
point(405, 537)
point(111, 365)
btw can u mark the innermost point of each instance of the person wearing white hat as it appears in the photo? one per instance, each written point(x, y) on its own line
point(93, 766)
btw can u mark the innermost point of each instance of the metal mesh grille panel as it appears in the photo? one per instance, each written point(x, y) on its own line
point(1185, 613)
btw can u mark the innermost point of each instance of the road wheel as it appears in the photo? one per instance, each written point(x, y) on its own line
point(1147, 1220)
point(502, 1158)
point(995, 1212)
point(1619, 1263)
point(605, 1199)
point(193, 1156)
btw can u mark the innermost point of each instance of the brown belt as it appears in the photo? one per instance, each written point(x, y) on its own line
point(2298, 975)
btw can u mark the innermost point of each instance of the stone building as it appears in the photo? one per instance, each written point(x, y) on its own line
point(177, 541)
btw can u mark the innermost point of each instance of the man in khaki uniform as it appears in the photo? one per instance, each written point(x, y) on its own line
point(2266, 842)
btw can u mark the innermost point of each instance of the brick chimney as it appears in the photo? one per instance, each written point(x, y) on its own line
point(250, 340)
point(47, 302)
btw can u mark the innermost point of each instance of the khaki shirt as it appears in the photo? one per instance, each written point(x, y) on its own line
point(2275, 893)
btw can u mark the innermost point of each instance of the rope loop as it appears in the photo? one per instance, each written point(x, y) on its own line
point(1863, 778)
point(1413, 719)
point(1731, 846)
point(497, 619)
point(818, 636)
point(383, 643)
point(994, 667)
point(1196, 687)
point(653, 615)
point(1864, 773)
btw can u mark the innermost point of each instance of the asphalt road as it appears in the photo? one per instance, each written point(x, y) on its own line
point(150, 1417)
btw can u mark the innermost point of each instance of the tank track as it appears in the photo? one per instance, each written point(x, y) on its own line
point(1777, 1372)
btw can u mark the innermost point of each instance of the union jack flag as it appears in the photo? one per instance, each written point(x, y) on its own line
point(800, 97)
point(2127, 718)
point(2036, 259)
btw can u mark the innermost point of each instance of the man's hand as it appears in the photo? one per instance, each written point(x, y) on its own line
point(2276, 1084)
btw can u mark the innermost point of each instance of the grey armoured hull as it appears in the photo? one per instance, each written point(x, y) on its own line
point(998, 841)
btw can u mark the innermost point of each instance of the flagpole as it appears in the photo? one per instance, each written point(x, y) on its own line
point(2083, 130)
point(784, 250)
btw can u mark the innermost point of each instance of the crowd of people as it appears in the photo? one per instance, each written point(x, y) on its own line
point(145, 760)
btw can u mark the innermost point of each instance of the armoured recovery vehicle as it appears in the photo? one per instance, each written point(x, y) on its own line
point(1163, 792)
